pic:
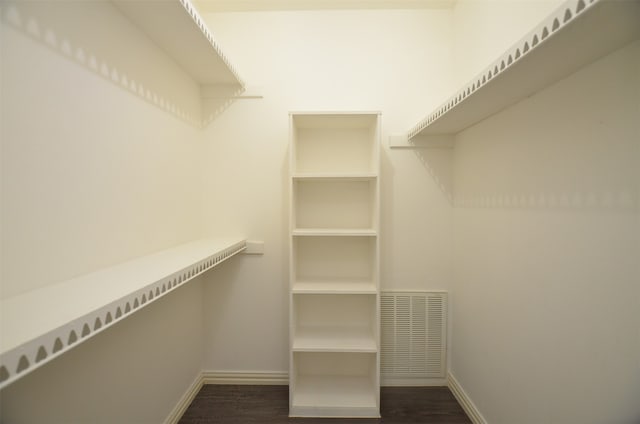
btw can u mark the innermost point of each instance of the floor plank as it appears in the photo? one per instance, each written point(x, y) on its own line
point(231, 404)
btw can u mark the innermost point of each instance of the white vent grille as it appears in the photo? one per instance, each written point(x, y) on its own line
point(413, 335)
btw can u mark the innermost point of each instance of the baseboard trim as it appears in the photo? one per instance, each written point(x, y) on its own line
point(275, 378)
point(465, 401)
point(185, 401)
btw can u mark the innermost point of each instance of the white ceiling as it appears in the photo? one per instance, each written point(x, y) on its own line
point(266, 5)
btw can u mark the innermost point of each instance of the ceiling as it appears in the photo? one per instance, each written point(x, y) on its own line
point(270, 5)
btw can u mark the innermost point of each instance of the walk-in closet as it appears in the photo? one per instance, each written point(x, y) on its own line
point(371, 210)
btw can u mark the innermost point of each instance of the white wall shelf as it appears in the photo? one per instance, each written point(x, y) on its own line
point(178, 29)
point(334, 288)
point(42, 324)
point(575, 35)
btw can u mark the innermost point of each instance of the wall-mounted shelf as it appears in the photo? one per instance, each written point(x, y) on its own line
point(178, 29)
point(575, 35)
point(42, 324)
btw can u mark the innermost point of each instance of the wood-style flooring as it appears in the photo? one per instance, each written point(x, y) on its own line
point(229, 404)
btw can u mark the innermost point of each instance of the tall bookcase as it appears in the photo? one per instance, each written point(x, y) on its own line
point(334, 272)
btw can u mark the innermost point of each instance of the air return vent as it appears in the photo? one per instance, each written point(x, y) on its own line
point(413, 326)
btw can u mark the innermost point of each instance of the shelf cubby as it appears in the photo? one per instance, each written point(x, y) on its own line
point(334, 143)
point(334, 260)
point(334, 323)
point(335, 203)
point(335, 385)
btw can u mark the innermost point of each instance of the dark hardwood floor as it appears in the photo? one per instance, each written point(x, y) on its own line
point(227, 404)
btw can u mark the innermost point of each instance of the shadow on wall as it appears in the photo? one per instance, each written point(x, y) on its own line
point(218, 98)
point(438, 162)
point(623, 201)
point(529, 191)
point(573, 147)
point(97, 37)
point(513, 191)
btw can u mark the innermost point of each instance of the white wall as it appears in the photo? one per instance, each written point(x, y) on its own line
point(99, 165)
point(397, 62)
point(484, 29)
point(93, 173)
point(546, 237)
point(546, 247)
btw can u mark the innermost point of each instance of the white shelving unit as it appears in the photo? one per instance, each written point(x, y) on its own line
point(334, 306)
point(575, 35)
point(42, 324)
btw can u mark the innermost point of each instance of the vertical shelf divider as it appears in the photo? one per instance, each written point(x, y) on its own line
point(334, 312)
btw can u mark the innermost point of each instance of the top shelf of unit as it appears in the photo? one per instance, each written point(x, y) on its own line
point(334, 120)
point(178, 29)
point(42, 324)
point(576, 34)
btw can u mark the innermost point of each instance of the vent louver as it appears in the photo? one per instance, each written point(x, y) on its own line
point(413, 326)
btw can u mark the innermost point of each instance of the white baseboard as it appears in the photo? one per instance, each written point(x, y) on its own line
point(185, 401)
point(275, 378)
point(465, 401)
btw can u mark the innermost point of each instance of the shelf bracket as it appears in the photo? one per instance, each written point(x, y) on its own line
point(440, 141)
point(229, 91)
point(254, 247)
point(216, 98)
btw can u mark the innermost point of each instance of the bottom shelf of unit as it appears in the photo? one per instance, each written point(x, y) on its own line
point(334, 397)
